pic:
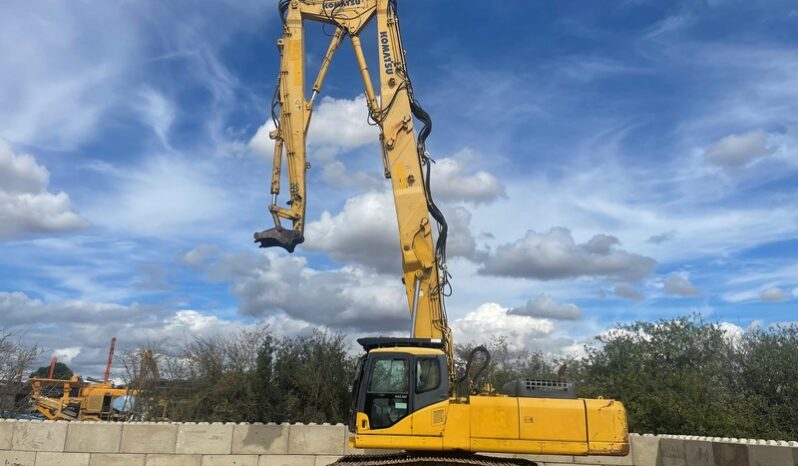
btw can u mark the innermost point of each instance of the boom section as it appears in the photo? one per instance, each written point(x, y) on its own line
point(403, 158)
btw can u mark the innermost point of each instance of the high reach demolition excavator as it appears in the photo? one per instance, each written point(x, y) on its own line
point(407, 394)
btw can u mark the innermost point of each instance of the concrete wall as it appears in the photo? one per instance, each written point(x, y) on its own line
point(37, 443)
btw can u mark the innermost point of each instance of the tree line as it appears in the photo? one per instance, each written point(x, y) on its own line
point(676, 376)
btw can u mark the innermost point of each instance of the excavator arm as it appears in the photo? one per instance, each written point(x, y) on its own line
point(405, 160)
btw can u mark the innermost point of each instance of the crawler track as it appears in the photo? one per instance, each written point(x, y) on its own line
point(427, 459)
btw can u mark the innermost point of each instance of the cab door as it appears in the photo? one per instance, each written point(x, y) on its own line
point(387, 399)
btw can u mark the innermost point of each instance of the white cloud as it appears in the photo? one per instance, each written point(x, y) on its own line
point(66, 355)
point(341, 123)
point(546, 306)
point(25, 204)
point(197, 257)
point(366, 232)
point(261, 144)
point(490, 319)
point(158, 112)
point(61, 66)
point(627, 291)
point(555, 255)
point(452, 181)
point(739, 150)
point(733, 333)
point(349, 298)
point(167, 194)
point(85, 327)
point(676, 285)
point(773, 294)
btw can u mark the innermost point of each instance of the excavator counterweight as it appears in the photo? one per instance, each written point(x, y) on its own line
point(407, 394)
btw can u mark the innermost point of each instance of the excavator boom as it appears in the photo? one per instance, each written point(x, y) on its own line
point(405, 159)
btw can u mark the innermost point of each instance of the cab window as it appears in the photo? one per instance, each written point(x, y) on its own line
point(428, 374)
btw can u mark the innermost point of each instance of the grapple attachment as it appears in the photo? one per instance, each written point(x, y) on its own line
point(279, 237)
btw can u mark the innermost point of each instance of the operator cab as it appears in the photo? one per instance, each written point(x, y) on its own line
point(396, 377)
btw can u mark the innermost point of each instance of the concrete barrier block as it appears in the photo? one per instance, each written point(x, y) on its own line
point(6, 434)
point(173, 460)
point(730, 454)
point(287, 460)
point(93, 437)
point(39, 436)
point(316, 440)
point(148, 438)
point(671, 452)
point(116, 459)
point(259, 439)
point(645, 450)
point(230, 460)
point(324, 460)
point(627, 460)
point(770, 455)
point(62, 459)
point(698, 453)
point(210, 439)
point(18, 458)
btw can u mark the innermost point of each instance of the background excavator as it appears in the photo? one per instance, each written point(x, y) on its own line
point(407, 394)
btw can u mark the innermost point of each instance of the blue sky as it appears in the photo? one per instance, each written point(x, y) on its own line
point(599, 162)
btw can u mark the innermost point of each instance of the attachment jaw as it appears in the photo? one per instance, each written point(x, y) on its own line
point(279, 237)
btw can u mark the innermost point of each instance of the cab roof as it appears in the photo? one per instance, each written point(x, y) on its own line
point(414, 350)
point(373, 343)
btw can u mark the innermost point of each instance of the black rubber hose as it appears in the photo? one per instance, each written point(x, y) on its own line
point(464, 377)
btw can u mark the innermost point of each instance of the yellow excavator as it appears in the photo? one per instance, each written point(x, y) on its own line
point(408, 394)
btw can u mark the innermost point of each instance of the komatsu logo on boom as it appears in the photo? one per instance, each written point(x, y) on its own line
point(341, 3)
point(386, 53)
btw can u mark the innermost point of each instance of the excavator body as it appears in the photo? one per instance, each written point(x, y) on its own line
point(401, 401)
point(408, 394)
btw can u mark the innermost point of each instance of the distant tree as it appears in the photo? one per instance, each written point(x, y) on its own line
point(312, 377)
point(61, 372)
point(674, 376)
point(15, 360)
point(768, 375)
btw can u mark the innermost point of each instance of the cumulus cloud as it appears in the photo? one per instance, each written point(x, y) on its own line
point(490, 319)
point(452, 181)
point(676, 285)
point(545, 306)
point(627, 291)
point(366, 232)
point(739, 150)
point(555, 255)
point(773, 294)
point(349, 298)
point(261, 144)
point(342, 123)
point(25, 204)
point(337, 123)
point(85, 327)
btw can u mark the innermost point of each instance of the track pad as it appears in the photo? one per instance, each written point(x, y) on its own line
point(279, 237)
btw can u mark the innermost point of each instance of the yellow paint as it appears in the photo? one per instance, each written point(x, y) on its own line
point(503, 424)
